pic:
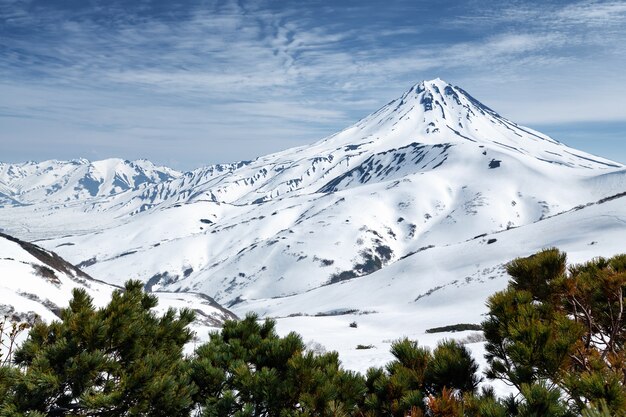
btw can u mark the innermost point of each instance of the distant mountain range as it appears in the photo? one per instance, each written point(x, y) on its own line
point(401, 222)
point(56, 181)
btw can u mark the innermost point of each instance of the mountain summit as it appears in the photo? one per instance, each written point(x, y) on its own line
point(436, 112)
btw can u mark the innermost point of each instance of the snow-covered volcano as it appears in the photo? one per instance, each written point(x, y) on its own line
point(423, 200)
point(432, 125)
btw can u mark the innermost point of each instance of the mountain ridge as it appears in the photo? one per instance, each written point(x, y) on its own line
point(62, 181)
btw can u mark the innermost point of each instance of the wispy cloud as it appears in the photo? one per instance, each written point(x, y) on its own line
point(215, 71)
point(594, 13)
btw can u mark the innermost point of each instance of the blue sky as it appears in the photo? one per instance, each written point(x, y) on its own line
point(190, 83)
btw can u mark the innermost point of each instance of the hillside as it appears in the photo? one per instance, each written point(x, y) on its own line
point(37, 284)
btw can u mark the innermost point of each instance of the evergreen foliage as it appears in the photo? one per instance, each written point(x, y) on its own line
point(120, 360)
point(557, 334)
point(248, 370)
point(452, 367)
point(418, 378)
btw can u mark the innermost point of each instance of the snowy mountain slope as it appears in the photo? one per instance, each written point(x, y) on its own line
point(37, 283)
point(58, 182)
point(378, 210)
point(437, 286)
point(434, 167)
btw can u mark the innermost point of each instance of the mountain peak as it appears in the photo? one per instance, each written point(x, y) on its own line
point(440, 93)
point(435, 112)
point(435, 82)
point(436, 106)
